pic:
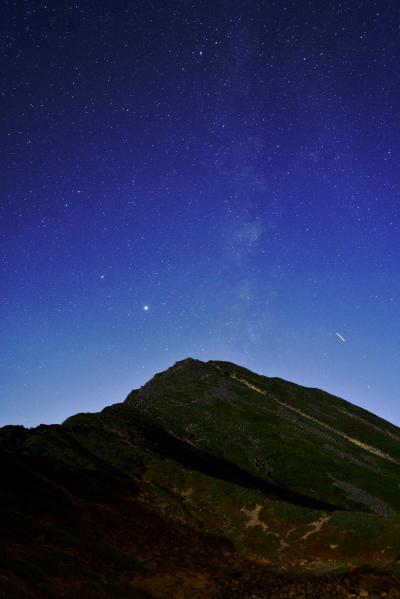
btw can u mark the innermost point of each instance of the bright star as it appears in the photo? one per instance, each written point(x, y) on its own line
point(145, 308)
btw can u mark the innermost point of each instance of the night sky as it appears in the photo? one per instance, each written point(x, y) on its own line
point(210, 179)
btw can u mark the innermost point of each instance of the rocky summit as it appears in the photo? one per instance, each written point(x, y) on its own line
point(210, 481)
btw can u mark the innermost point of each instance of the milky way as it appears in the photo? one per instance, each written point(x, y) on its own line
point(213, 179)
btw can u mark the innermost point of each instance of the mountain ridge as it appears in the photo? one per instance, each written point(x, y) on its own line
point(286, 484)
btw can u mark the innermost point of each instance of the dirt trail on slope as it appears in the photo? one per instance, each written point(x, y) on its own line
point(353, 440)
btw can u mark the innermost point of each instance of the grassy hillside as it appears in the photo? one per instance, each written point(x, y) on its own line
point(210, 481)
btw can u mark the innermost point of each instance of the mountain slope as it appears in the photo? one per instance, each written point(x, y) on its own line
point(210, 480)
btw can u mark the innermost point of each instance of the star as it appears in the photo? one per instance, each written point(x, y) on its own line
point(146, 308)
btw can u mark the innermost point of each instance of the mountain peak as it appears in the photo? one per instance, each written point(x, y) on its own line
point(187, 362)
point(206, 459)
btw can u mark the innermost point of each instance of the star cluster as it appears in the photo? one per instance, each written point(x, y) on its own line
point(214, 179)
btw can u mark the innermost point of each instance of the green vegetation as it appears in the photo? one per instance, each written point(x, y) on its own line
point(260, 465)
point(357, 523)
point(294, 514)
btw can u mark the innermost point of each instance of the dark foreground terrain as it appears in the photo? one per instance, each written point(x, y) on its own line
point(209, 481)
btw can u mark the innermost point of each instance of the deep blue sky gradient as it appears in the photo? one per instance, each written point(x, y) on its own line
point(232, 165)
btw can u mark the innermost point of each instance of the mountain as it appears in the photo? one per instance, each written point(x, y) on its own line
point(209, 481)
